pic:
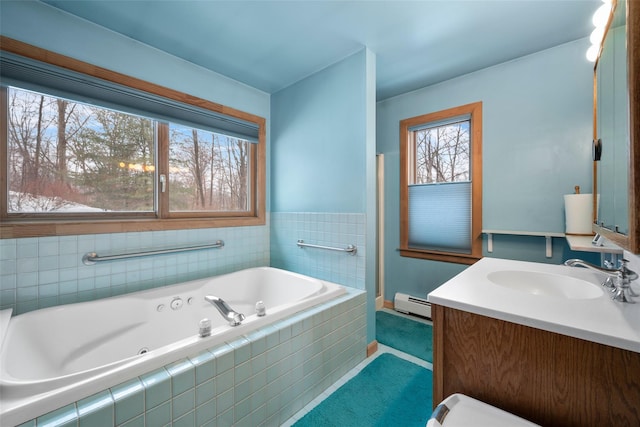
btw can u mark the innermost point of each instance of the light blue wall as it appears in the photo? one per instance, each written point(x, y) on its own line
point(537, 131)
point(323, 169)
point(41, 272)
point(318, 132)
point(50, 28)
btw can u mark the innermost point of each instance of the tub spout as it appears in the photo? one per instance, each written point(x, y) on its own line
point(227, 312)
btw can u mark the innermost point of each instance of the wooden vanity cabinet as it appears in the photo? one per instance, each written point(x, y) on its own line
point(545, 377)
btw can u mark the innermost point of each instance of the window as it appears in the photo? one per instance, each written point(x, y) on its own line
point(85, 145)
point(441, 185)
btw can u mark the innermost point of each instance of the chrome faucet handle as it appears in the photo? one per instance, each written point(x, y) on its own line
point(623, 291)
point(627, 274)
point(608, 283)
point(627, 277)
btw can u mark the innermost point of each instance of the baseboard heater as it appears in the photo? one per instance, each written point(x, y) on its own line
point(412, 305)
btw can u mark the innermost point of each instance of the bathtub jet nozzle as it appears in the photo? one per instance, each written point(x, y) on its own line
point(234, 318)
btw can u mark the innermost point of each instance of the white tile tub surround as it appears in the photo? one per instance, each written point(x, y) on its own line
point(260, 379)
point(48, 271)
point(327, 229)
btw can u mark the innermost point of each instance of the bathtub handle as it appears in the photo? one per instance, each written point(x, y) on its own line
point(91, 258)
point(350, 249)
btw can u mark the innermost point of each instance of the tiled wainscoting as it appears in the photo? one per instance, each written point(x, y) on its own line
point(327, 229)
point(261, 379)
point(47, 271)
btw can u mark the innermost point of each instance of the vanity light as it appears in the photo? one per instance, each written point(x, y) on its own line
point(592, 53)
point(600, 19)
point(601, 16)
point(597, 35)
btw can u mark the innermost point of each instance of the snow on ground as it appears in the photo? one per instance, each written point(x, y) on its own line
point(25, 202)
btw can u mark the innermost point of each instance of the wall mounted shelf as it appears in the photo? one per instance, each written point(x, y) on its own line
point(576, 243)
point(546, 234)
point(583, 244)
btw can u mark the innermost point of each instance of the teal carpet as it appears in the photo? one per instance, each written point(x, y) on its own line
point(409, 336)
point(389, 391)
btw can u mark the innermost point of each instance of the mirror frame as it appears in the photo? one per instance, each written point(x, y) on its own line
point(630, 242)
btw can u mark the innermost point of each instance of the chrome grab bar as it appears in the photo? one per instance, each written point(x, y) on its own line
point(350, 249)
point(91, 258)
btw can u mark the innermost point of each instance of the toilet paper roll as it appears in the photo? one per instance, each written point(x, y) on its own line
point(578, 209)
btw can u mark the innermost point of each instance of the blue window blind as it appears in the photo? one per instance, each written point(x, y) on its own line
point(440, 217)
point(49, 79)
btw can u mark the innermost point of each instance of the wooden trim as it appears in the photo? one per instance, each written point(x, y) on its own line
point(372, 347)
point(476, 183)
point(407, 171)
point(14, 226)
point(440, 256)
point(632, 241)
point(4, 161)
point(633, 72)
point(23, 49)
point(162, 131)
point(437, 316)
point(595, 137)
point(260, 191)
point(388, 304)
point(67, 228)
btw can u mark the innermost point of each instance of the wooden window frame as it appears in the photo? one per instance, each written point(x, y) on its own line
point(17, 226)
point(407, 172)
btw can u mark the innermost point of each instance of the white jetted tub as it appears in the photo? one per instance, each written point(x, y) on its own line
point(54, 356)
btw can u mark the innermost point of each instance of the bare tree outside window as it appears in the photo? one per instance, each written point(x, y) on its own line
point(441, 185)
point(208, 171)
point(86, 150)
point(442, 153)
point(66, 156)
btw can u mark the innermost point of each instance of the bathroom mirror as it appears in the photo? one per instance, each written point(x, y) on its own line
point(616, 125)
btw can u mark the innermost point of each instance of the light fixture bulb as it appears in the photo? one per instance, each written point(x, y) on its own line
point(601, 15)
point(596, 35)
point(592, 53)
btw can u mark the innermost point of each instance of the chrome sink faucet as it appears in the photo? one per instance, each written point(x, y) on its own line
point(227, 312)
point(618, 281)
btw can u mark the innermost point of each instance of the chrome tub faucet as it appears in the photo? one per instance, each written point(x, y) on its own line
point(227, 312)
point(618, 280)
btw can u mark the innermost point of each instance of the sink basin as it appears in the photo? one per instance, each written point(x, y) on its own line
point(546, 284)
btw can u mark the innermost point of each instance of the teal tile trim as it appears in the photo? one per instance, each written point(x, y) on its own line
point(182, 376)
point(96, 410)
point(266, 376)
point(63, 417)
point(157, 386)
point(129, 400)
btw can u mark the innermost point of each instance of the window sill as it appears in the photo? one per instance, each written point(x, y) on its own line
point(18, 229)
point(440, 256)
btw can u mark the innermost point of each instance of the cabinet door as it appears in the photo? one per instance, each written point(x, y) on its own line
point(547, 378)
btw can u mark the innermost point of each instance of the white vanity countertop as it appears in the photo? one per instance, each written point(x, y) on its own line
point(597, 319)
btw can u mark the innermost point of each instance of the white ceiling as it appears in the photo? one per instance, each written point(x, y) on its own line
point(272, 44)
